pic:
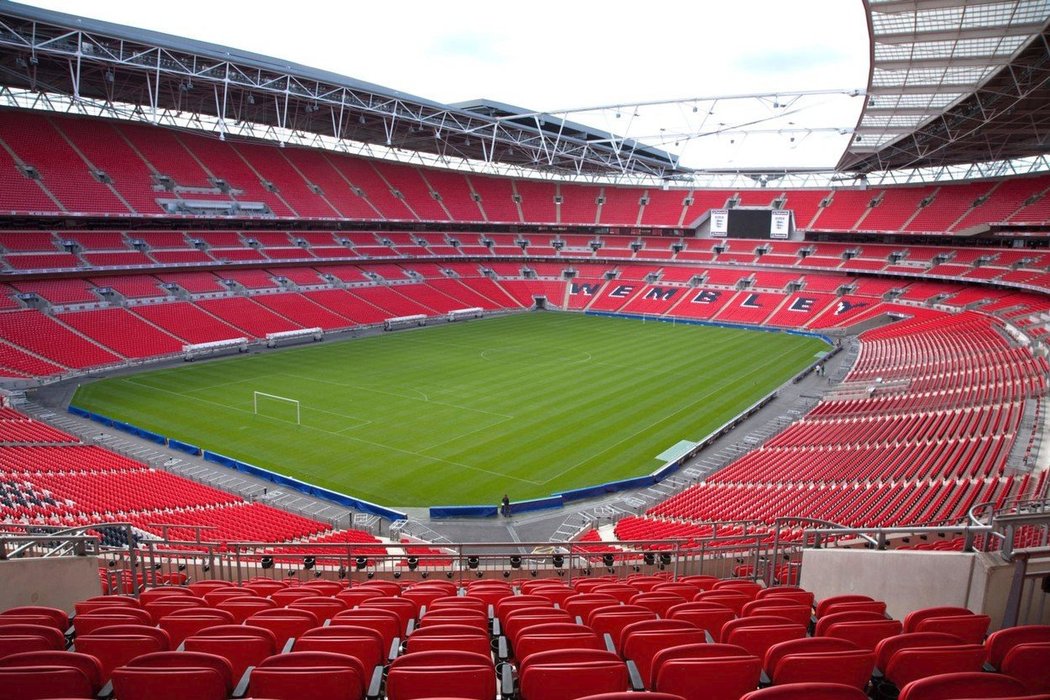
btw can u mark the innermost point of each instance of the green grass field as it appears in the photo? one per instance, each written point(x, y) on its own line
point(528, 404)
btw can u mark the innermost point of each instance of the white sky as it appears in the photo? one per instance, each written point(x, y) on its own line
point(548, 56)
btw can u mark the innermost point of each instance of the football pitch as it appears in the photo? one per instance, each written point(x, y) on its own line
point(527, 405)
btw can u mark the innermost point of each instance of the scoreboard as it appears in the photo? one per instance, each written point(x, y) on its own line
point(751, 223)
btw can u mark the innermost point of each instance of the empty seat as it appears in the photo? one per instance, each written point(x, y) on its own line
point(866, 634)
point(823, 605)
point(891, 645)
point(285, 623)
point(33, 682)
point(1030, 664)
point(569, 674)
point(807, 691)
point(999, 643)
point(241, 645)
point(710, 617)
point(557, 635)
point(911, 664)
point(459, 674)
point(167, 675)
point(448, 637)
point(86, 664)
point(362, 643)
point(969, 628)
point(949, 686)
point(308, 675)
point(658, 602)
point(641, 644)
point(189, 621)
point(706, 671)
point(912, 619)
point(59, 619)
point(116, 646)
point(826, 621)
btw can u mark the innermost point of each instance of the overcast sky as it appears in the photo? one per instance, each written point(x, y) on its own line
point(551, 56)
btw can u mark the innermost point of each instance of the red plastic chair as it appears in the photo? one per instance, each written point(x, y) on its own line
point(459, 602)
point(807, 691)
point(428, 674)
point(244, 607)
point(1030, 664)
point(85, 663)
point(949, 686)
point(706, 671)
point(912, 664)
point(557, 635)
point(913, 640)
point(999, 643)
point(912, 619)
point(187, 622)
point(324, 607)
point(569, 674)
point(826, 621)
point(309, 675)
point(35, 682)
point(285, 623)
point(849, 667)
point(969, 628)
point(657, 601)
point(405, 609)
point(362, 643)
point(55, 639)
point(385, 622)
point(448, 637)
point(706, 616)
point(59, 618)
point(115, 649)
point(641, 645)
point(89, 622)
point(241, 645)
point(453, 616)
point(581, 604)
point(758, 640)
point(823, 605)
point(166, 675)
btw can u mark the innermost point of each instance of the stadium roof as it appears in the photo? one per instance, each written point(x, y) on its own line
point(158, 77)
point(954, 81)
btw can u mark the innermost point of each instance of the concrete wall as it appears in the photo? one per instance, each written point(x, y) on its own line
point(910, 580)
point(57, 583)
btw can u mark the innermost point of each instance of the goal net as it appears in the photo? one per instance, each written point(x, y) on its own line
point(276, 407)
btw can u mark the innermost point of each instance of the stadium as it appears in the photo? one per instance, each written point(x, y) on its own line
point(313, 388)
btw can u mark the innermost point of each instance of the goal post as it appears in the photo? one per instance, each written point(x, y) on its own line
point(264, 398)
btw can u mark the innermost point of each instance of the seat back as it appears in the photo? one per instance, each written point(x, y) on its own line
point(642, 646)
point(912, 619)
point(386, 625)
point(54, 637)
point(758, 640)
point(581, 604)
point(248, 648)
point(308, 675)
point(716, 678)
point(849, 667)
point(865, 634)
point(1000, 642)
point(1030, 664)
point(948, 686)
point(244, 607)
point(426, 674)
point(911, 664)
point(907, 640)
point(114, 650)
point(969, 628)
point(823, 605)
point(179, 627)
point(30, 682)
point(187, 659)
point(807, 691)
point(569, 674)
point(658, 602)
point(850, 616)
point(806, 645)
point(284, 627)
point(362, 643)
point(86, 664)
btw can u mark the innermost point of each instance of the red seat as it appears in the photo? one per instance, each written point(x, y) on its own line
point(15, 643)
point(215, 596)
point(828, 620)
point(581, 604)
point(287, 596)
point(189, 621)
point(1000, 642)
point(569, 674)
point(823, 605)
point(912, 619)
point(710, 617)
point(911, 664)
point(355, 596)
point(241, 645)
point(1030, 664)
point(405, 609)
point(325, 607)
point(506, 605)
point(244, 607)
point(55, 638)
point(264, 588)
point(153, 594)
point(201, 588)
point(453, 616)
point(36, 682)
point(362, 643)
point(85, 663)
point(873, 606)
point(706, 671)
point(969, 628)
point(734, 600)
point(428, 674)
point(680, 588)
point(557, 635)
point(865, 634)
point(459, 602)
point(621, 591)
point(323, 588)
point(649, 695)
point(309, 675)
point(89, 622)
point(641, 645)
point(209, 675)
point(658, 602)
point(389, 588)
point(385, 622)
point(798, 614)
point(59, 618)
point(891, 645)
point(449, 637)
point(758, 640)
point(114, 649)
point(522, 619)
point(849, 667)
point(949, 686)
point(807, 691)
point(285, 623)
